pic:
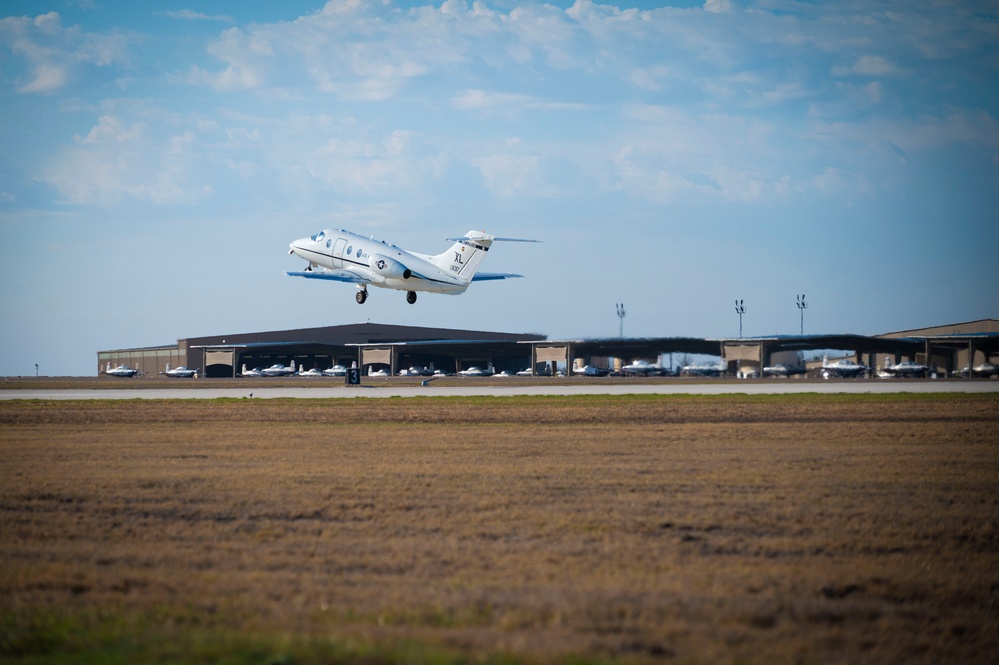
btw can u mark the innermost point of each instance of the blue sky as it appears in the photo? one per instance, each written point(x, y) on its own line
point(159, 157)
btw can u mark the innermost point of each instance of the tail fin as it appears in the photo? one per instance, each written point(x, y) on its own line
point(464, 256)
point(462, 259)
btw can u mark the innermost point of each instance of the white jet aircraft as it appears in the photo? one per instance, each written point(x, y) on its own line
point(343, 256)
point(179, 372)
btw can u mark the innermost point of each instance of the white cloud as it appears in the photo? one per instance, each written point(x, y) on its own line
point(56, 54)
point(510, 175)
point(110, 127)
point(482, 100)
point(159, 159)
point(868, 65)
point(718, 6)
point(190, 15)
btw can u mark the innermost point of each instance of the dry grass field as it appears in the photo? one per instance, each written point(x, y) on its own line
point(672, 529)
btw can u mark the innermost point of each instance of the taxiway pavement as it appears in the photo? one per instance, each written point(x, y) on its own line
point(499, 390)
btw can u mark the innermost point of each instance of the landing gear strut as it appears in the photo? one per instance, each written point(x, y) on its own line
point(362, 295)
point(410, 297)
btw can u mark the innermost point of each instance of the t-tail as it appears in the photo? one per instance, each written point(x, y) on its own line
point(463, 258)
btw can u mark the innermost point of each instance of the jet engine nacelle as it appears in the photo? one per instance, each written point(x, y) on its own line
point(389, 268)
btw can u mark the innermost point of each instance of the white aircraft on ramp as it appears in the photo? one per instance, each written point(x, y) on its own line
point(121, 370)
point(279, 370)
point(180, 372)
point(343, 256)
point(842, 368)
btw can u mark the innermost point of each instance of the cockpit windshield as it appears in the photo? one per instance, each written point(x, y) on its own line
point(319, 236)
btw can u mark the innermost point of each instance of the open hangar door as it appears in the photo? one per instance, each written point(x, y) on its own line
point(219, 364)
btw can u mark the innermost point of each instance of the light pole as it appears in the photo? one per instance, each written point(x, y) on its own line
point(740, 309)
point(802, 306)
point(620, 315)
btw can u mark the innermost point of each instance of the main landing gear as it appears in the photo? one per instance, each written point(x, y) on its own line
point(362, 295)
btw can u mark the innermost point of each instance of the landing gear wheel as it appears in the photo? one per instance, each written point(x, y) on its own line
point(410, 297)
point(361, 297)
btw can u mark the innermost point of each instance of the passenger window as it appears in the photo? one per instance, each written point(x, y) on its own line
point(350, 250)
point(328, 243)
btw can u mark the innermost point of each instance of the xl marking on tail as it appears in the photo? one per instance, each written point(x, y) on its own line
point(344, 256)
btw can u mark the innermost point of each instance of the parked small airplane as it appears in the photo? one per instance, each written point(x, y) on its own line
point(179, 372)
point(343, 256)
point(590, 370)
point(475, 371)
point(703, 370)
point(643, 367)
point(121, 370)
point(781, 369)
point(842, 368)
point(256, 371)
point(279, 370)
point(335, 370)
point(906, 368)
point(311, 372)
point(985, 370)
point(416, 371)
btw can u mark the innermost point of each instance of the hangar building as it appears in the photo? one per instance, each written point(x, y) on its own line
point(950, 348)
point(364, 343)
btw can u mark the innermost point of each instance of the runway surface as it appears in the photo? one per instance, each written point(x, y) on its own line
point(498, 390)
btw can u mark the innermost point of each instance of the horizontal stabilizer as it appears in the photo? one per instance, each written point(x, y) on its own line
point(490, 276)
point(332, 275)
point(491, 239)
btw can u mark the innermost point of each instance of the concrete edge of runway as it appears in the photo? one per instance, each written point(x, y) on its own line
point(728, 388)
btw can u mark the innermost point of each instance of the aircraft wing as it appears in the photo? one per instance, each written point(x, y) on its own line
point(333, 275)
point(489, 276)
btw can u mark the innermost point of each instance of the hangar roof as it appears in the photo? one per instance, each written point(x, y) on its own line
point(640, 346)
point(358, 333)
point(843, 342)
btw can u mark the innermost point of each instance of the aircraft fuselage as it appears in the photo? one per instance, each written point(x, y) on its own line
point(382, 264)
